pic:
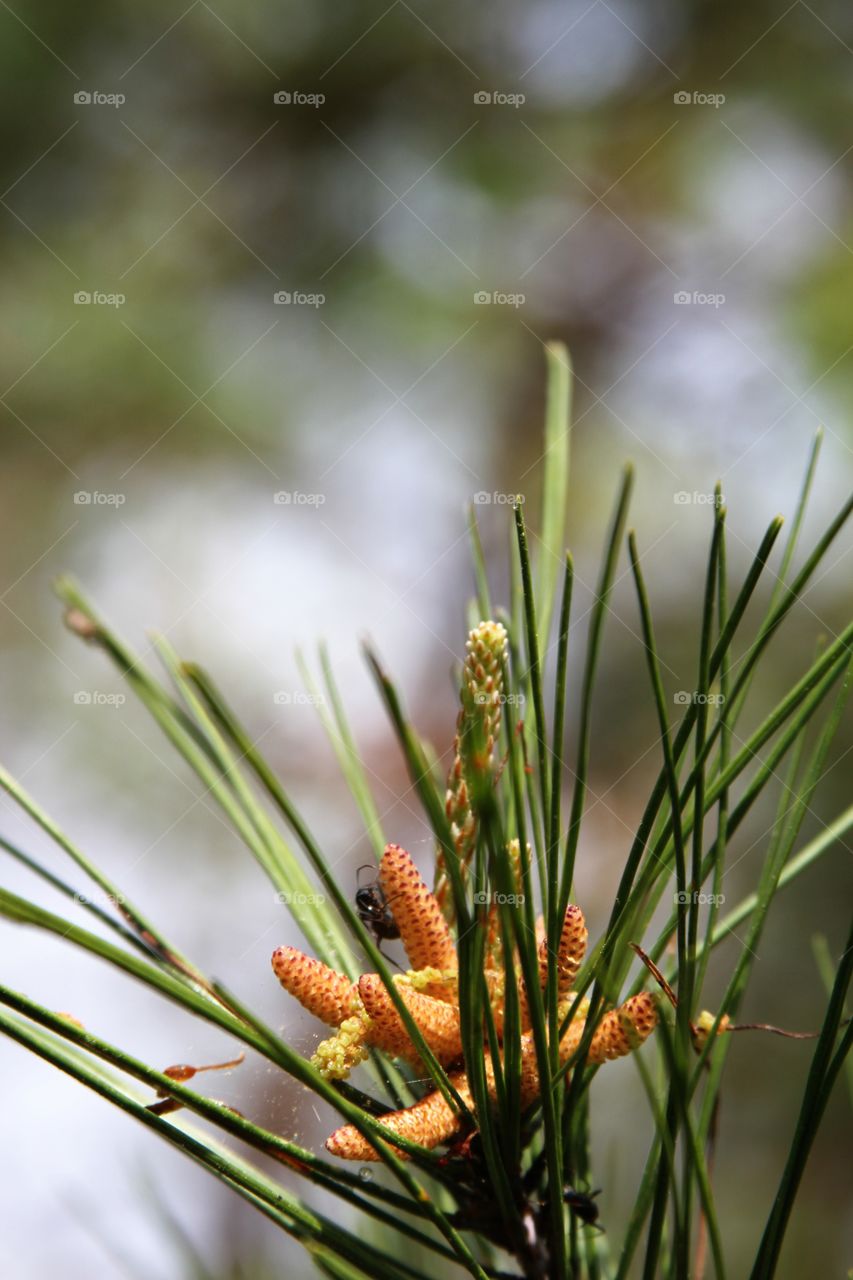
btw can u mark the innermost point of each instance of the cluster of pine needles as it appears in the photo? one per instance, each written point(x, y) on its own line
point(507, 1187)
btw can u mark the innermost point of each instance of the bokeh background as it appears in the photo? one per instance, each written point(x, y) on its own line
point(315, 251)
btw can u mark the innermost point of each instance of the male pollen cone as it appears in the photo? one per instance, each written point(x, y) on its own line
point(619, 1032)
point(437, 1021)
point(570, 953)
point(321, 990)
point(429, 1123)
point(423, 929)
point(432, 1120)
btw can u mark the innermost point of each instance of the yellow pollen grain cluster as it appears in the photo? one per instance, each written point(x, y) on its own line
point(336, 1057)
point(704, 1026)
point(441, 984)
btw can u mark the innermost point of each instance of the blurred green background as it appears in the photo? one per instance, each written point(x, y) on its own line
point(276, 284)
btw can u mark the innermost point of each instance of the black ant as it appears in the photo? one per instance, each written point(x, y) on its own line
point(583, 1206)
point(374, 910)
point(581, 1203)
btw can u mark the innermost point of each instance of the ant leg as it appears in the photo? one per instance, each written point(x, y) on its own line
point(390, 959)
